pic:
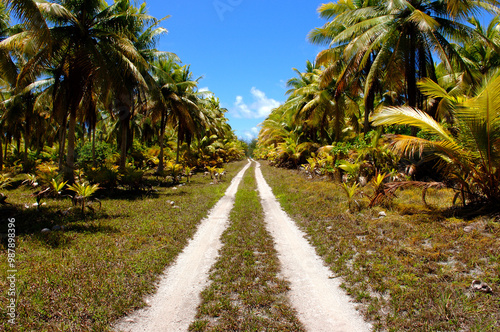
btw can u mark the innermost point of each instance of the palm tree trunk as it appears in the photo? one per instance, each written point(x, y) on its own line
point(1, 155)
point(125, 108)
point(162, 137)
point(6, 148)
point(178, 143)
point(337, 123)
point(123, 145)
point(62, 143)
point(26, 143)
point(93, 148)
point(410, 73)
point(369, 101)
point(368, 110)
point(69, 174)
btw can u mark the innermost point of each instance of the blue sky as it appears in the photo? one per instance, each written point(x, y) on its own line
point(244, 49)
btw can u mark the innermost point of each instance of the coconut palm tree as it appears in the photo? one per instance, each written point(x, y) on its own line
point(483, 57)
point(32, 17)
point(277, 127)
point(8, 72)
point(167, 77)
point(181, 102)
point(470, 155)
point(89, 45)
point(133, 95)
point(396, 40)
point(318, 109)
point(348, 73)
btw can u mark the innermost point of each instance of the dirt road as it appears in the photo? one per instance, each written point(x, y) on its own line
point(173, 307)
point(318, 299)
point(320, 302)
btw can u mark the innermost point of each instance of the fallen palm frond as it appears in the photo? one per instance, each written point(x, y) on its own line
point(388, 191)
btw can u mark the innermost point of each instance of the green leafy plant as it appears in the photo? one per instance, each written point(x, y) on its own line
point(132, 178)
point(312, 163)
point(213, 171)
point(350, 192)
point(106, 175)
point(88, 157)
point(45, 173)
point(352, 169)
point(30, 180)
point(378, 181)
point(57, 186)
point(174, 170)
point(83, 192)
point(219, 173)
point(379, 192)
point(188, 172)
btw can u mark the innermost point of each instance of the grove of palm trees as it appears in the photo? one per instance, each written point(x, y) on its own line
point(385, 154)
point(401, 83)
point(83, 85)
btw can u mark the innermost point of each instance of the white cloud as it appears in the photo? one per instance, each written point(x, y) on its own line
point(205, 89)
point(260, 108)
point(251, 134)
point(248, 136)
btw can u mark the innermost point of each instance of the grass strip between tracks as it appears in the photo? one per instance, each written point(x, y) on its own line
point(246, 292)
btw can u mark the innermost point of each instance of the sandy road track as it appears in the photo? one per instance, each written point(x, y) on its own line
point(320, 302)
point(173, 306)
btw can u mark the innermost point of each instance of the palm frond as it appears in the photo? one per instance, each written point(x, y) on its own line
point(412, 117)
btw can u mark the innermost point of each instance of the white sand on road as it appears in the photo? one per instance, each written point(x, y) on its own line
point(320, 302)
point(173, 306)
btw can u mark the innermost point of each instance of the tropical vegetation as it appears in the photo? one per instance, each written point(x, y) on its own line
point(403, 88)
point(102, 135)
point(84, 89)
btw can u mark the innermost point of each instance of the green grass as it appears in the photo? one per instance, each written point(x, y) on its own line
point(246, 292)
point(411, 270)
point(95, 271)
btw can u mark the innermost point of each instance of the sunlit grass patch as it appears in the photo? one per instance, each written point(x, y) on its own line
point(246, 292)
point(411, 269)
point(94, 271)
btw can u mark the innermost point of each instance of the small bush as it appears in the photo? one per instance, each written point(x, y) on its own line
point(103, 151)
point(132, 178)
point(107, 176)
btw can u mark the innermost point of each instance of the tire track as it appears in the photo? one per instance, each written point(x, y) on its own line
point(173, 306)
point(320, 302)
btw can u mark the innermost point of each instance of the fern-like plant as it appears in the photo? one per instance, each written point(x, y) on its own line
point(5, 180)
point(213, 171)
